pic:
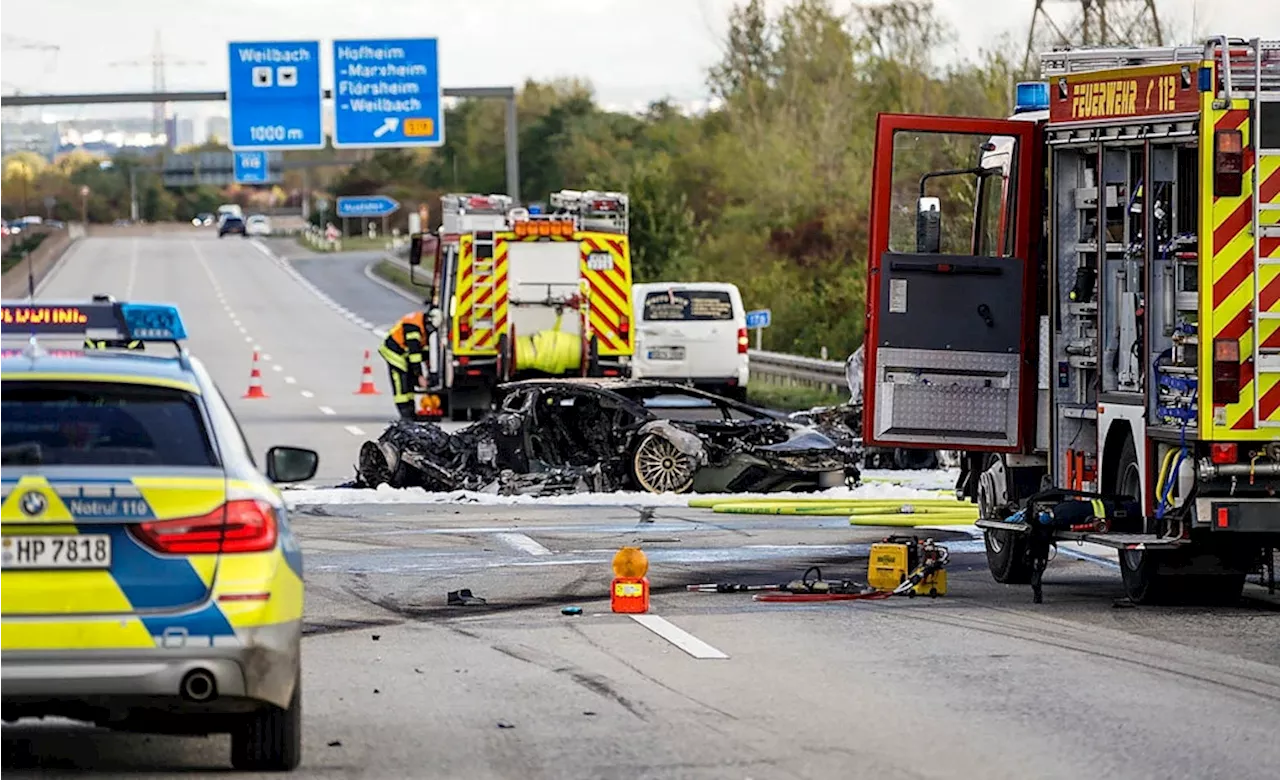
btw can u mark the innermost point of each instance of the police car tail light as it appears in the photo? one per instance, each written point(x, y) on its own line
point(240, 526)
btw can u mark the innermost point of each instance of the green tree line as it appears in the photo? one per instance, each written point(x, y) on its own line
point(769, 190)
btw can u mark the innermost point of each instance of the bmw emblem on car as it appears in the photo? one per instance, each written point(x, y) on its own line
point(33, 503)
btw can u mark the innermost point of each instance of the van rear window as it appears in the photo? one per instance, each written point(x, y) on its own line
point(676, 305)
point(101, 424)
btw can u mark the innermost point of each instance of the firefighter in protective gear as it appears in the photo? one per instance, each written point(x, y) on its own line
point(403, 350)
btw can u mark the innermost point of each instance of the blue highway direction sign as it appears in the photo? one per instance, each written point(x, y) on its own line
point(760, 318)
point(387, 93)
point(274, 94)
point(250, 167)
point(367, 206)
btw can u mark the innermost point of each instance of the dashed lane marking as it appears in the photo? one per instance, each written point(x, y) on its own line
point(288, 268)
point(290, 380)
point(327, 410)
point(678, 637)
point(523, 543)
point(308, 394)
point(356, 431)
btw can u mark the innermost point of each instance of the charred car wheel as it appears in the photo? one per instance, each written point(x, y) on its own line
point(659, 467)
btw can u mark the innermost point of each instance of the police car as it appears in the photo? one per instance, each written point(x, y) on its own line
point(151, 581)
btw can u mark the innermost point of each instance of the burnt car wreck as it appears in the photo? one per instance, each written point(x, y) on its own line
point(574, 435)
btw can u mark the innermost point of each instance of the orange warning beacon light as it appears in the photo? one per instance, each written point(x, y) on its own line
point(630, 591)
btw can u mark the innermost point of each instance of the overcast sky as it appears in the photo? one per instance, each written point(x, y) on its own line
point(632, 50)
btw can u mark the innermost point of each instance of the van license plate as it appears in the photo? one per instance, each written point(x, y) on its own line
point(64, 551)
point(667, 353)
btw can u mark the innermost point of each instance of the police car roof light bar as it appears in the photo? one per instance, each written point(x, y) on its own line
point(160, 322)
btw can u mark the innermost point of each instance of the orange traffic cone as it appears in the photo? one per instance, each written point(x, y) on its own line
point(366, 379)
point(255, 381)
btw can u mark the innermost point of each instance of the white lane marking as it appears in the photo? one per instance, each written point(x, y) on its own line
point(351, 316)
point(244, 331)
point(235, 322)
point(265, 356)
point(678, 636)
point(290, 380)
point(368, 272)
point(257, 347)
point(277, 367)
point(523, 543)
point(327, 410)
point(248, 339)
point(353, 430)
point(308, 394)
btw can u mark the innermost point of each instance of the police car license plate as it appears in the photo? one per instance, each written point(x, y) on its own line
point(68, 551)
point(667, 353)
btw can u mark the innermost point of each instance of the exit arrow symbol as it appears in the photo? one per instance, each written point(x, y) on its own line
point(388, 125)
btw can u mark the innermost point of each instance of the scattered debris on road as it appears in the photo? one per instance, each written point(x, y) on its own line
point(552, 437)
point(464, 598)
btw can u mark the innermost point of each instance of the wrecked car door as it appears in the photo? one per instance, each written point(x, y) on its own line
point(515, 413)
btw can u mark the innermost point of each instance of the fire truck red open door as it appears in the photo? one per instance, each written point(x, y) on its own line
point(952, 280)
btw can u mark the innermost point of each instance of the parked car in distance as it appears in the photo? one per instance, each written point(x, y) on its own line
point(204, 219)
point(258, 225)
point(691, 332)
point(231, 224)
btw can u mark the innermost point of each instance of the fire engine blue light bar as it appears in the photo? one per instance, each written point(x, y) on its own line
point(1031, 96)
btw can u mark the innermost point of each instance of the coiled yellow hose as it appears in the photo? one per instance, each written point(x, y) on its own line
point(549, 351)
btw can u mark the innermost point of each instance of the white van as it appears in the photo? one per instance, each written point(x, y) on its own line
point(691, 332)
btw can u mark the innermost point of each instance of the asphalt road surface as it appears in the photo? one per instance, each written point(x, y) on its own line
point(978, 683)
point(344, 277)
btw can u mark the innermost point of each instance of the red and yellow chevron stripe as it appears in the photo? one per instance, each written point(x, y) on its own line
point(609, 285)
point(481, 307)
point(1227, 284)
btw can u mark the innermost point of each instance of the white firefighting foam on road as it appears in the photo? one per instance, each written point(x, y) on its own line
point(878, 484)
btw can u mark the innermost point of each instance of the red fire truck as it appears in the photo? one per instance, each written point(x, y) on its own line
point(1085, 299)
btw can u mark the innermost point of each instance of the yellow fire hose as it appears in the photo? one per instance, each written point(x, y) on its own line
point(707, 502)
point(550, 351)
point(912, 520)
point(833, 510)
point(867, 512)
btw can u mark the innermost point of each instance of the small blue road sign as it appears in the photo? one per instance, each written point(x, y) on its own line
point(387, 93)
point(274, 95)
point(251, 167)
point(367, 206)
point(760, 318)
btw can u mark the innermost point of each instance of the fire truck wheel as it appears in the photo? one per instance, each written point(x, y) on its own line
point(1007, 557)
point(1146, 576)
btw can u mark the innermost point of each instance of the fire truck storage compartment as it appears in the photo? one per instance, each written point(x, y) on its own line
point(1174, 304)
point(541, 276)
point(1114, 285)
point(947, 371)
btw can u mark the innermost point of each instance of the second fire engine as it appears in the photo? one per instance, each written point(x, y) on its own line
point(524, 293)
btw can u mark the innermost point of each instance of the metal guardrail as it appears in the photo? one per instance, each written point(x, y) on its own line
point(796, 370)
